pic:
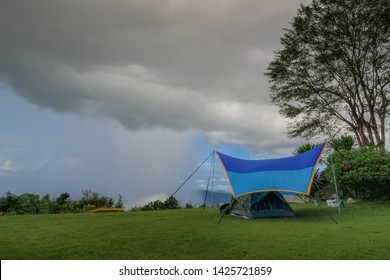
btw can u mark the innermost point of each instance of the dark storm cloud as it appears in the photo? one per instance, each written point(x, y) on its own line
point(172, 64)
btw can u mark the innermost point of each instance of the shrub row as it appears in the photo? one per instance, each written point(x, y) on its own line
point(364, 172)
point(29, 203)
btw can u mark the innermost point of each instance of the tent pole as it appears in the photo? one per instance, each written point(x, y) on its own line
point(334, 174)
point(223, 214)
point(192, 174)
point(208, 183)
point(226, 210)
point(212, 181)
point(335, 184)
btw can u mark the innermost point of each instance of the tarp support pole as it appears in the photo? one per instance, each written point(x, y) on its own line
point(193, 173)
point(335, 184)
point(227, 209)
point(223, 214)
point(321, 209)
point(208, 181)
point(212, 181)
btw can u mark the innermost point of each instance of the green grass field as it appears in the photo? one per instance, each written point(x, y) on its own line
point(362, 231)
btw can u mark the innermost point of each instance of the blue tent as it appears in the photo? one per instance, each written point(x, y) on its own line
point(251, 177)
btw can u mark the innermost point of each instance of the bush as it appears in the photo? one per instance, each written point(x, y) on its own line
point(94, 198)
point(170, 203)
point(188, 205)
point(364, 172)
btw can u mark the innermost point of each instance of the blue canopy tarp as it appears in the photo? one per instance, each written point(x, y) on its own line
point(290, 174)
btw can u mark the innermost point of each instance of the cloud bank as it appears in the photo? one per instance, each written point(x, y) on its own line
point(172, 65)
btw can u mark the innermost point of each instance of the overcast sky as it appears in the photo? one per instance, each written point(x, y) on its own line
point(128, 96)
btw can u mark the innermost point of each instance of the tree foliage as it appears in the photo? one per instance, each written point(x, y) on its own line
point(304, 148)
point(119, 203)
point(333, 70)
point(344, 142)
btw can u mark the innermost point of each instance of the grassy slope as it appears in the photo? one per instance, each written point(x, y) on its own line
point(362, 232)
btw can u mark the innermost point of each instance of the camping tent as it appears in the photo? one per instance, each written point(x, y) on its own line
point(261, 205)
point(256, 184)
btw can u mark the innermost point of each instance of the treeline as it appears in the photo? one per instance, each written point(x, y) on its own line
point(29, 203)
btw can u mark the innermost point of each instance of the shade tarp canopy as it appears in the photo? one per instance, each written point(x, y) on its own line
point(290, 174)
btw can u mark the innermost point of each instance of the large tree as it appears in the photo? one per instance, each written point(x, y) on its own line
point(332, 72)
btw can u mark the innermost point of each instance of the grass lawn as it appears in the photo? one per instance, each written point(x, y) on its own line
point(362, 231)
